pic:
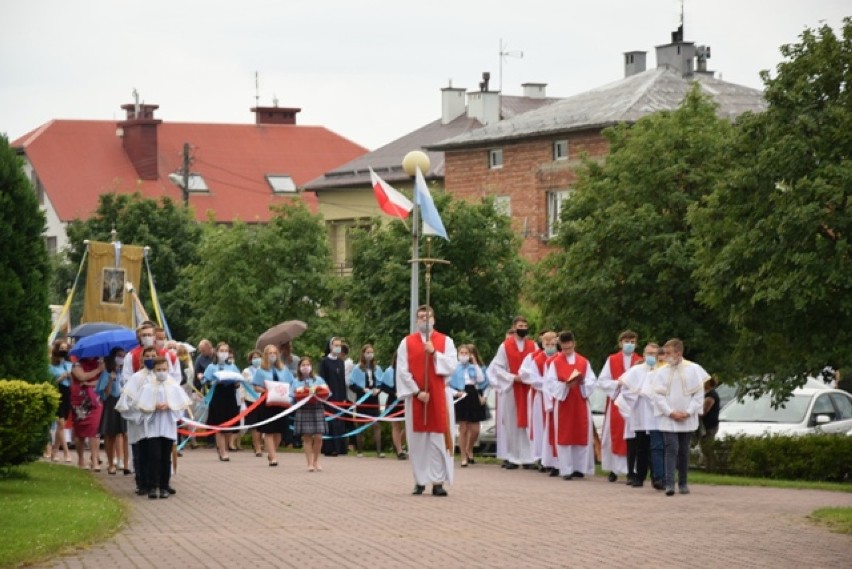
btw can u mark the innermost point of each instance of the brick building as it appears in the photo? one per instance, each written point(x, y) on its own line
point(529, 163)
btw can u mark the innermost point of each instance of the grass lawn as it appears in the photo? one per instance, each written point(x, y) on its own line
point(838, 520)
point(47, 508)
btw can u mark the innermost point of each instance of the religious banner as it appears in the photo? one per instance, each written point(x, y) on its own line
point(111, 267)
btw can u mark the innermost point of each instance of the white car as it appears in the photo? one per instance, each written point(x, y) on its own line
point(809, 410)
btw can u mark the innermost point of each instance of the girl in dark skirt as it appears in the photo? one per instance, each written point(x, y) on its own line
point(113, 426)
point(223, 404)
point(271, 369)
point(470, 411)
point(310, 418)
point(60, 371)
point(366, 377)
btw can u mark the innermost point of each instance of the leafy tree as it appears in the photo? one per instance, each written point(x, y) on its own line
point(773, 240)
point(624, 258)
point(253, 277)
point(474, 297)
point(24, 274)
point(166, 227)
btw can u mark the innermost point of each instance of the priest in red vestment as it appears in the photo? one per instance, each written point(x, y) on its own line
point(426, 360)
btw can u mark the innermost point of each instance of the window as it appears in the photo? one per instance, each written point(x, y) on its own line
point(495, 158)
point(196, 182)
point(823, 406)
point(555, 200)
point(51, 244)
point(281, 183)
point(503, 205)
point(843, 403)
point(560, 150)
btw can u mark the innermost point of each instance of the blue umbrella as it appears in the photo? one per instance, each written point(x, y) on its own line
point(89, 328)
point(99, 345)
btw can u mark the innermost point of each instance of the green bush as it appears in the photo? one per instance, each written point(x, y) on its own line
point(809, 457)
point(26, 412)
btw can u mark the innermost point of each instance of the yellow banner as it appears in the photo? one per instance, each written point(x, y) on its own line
point(111, 267)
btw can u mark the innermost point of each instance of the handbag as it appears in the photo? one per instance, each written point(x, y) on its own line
point(277, 393)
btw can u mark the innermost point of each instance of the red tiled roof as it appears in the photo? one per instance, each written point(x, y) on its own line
point(78, 160)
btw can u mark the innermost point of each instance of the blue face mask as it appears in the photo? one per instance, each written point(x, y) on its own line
point(550, 350)
point(256, 362)
point(628, 347)
point(651, 361)
point(149, 363)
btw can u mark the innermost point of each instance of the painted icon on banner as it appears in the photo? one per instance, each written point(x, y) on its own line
point(113, 286)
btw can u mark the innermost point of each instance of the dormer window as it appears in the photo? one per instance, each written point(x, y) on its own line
point(281, 183)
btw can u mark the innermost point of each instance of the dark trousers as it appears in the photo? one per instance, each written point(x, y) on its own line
point(338, 444)
point(641, 455)
point(140, 463)
point(658, 461)
point(677, 456)
point(159, 462)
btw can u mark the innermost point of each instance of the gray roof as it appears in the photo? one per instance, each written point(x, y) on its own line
point(387, 160)
point(626, 100)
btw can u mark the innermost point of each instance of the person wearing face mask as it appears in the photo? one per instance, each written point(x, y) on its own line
point(645, 447)
point(223, 403)
point(133, 359)
point(272, 369)
point(255, 358)
point(677, 390)
point(570, 379)
point(86, 409)
point(161, 343)
point(128, 407)
point(613, 442)
point(332, 369)
point(161, 403)
point(366, 378)
point(60, 371)
point(426, 359)
point(469, 379)
point(309, 419)
point(113, 426)
point(541, 404)
point(504, 374)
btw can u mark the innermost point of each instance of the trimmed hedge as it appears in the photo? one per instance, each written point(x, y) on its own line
point(26, 413)
point(822, 457)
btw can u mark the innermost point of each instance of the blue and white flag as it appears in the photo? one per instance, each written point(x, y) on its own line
point(432, 224)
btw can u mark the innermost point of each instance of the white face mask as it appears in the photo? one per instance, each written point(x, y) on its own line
point(272, 358)
point(306, 370)
point(161, 344)
point(162, 376)
point(147, 341)
point(464, 359)
point(223, 356)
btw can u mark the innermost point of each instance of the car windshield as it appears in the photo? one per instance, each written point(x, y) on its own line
point(760, 410)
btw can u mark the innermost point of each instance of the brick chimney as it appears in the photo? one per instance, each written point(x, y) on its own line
point(275, 115)
point(138, 134)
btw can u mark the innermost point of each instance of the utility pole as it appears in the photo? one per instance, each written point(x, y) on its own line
point(185, 185)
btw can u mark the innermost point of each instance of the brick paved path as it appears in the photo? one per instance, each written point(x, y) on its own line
point(358, 513)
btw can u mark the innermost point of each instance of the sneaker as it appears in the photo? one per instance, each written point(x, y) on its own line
point(163, 494)
point(669, 490)
point(683, 489)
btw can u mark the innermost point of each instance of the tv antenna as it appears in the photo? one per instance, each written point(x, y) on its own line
point(504, 54)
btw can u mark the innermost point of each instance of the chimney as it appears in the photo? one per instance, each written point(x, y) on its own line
point(678, 55)
point(138, 134)
point(535, 90)
point(452, 103)
point(484, 105)
point(634, 62)
point(275, 115)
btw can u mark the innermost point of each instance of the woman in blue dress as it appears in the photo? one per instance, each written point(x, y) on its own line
point(271, 369)
point(224, 378)
point(470, 411)
point(366, 378)
point(113, 425)
point(310, 418)
point(60, 371)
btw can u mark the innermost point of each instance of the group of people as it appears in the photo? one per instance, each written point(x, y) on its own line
point(543, 417)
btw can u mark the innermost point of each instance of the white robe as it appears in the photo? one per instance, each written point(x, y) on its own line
point(634, 402)
point(612, 388)
point(518, 444)
point(127, 404)
point(535, 404)
point(431, 462)
point(573, 458)
point(678, 388)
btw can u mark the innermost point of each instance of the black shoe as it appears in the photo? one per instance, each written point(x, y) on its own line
point(566, 477)
point(658, 485)
point(554, 472)
point(529, 466)
point(140, 491)
point(418, 489)
point(683, 489)
point(669, 490)
point(152, 494)
point(631, 478)
point(637, 484)
point(505, 464)
point(577, 474)
point(471, 461)
point(612, 477)
point(401, 456)
point(163, 494)
point(171, 490)
point(438, 490)
point(511, 466)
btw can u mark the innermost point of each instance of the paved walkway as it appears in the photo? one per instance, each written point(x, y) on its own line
point(358, 513)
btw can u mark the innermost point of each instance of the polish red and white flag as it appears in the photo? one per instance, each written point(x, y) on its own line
point(390, 200)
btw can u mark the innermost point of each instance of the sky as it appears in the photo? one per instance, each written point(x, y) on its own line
point(369, 70)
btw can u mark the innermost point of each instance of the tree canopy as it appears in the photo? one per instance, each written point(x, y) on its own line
point(624, 259)
point(474, 297)
point(772, 241)
point(24, 274)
